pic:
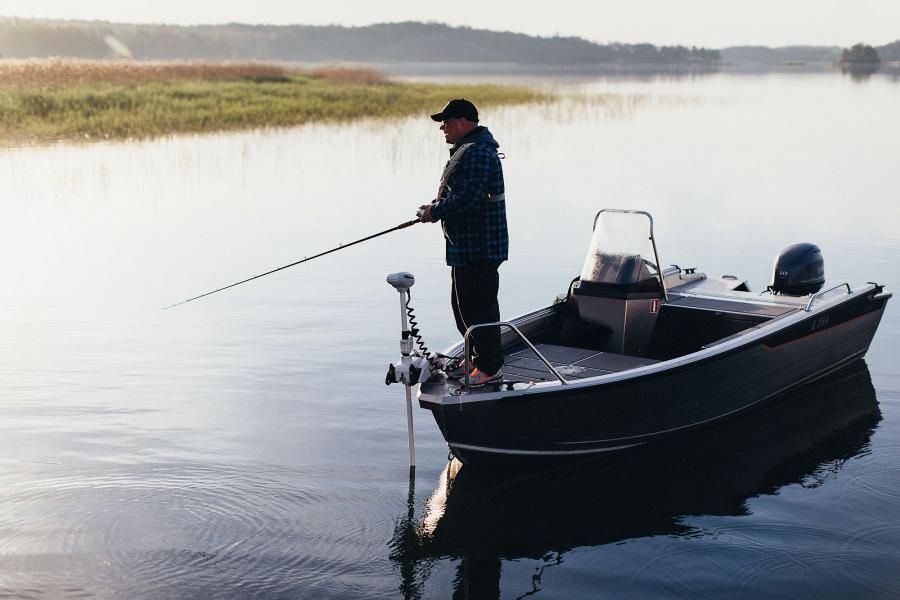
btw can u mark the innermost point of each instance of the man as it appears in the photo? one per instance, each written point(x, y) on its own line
point(471, 206)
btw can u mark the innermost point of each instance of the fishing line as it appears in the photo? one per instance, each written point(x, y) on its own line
point(340, 247)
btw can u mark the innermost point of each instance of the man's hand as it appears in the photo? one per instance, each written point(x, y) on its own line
point(424, 214)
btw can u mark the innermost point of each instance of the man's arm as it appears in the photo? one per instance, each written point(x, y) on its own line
point(467, 185)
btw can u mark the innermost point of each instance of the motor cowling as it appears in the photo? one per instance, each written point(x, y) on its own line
point(799, 269)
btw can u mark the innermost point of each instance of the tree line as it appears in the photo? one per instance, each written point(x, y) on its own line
point(388, 42)
point(860, 54)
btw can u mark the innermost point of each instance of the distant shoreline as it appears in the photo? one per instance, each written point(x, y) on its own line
point(394, 43)
point(528, 72)
point(47, 101)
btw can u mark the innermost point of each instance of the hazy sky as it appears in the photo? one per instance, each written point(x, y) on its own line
point(712, 23)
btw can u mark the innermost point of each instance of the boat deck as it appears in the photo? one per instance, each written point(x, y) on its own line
point(573, 363)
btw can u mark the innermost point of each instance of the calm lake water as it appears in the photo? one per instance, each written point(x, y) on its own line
point(245, 445)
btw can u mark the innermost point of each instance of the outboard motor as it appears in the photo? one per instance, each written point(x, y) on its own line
point(798, 270)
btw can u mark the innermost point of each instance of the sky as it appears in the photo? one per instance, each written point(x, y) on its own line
point(710, 23)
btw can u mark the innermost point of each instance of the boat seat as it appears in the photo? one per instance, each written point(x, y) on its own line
point(754, 310)
point(575, 363)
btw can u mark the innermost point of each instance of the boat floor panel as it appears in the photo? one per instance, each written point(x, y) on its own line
point(573, 363)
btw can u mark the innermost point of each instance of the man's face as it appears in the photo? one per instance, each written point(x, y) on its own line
point(454, 129)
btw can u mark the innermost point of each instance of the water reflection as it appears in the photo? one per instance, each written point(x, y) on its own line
point(482, 516)
point(859, 71)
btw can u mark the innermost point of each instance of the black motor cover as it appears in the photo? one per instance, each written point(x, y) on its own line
point(798, 270)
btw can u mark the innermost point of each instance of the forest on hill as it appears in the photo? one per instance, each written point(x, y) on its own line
point(388, 42)
point(409, 42)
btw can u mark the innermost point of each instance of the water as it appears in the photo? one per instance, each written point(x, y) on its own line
point(244, 445)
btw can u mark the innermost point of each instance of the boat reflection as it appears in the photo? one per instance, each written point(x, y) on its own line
point(483, 516)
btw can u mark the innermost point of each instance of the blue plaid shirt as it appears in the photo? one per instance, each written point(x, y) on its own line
point(474, 225)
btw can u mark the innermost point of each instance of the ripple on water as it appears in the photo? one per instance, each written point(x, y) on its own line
point(868, 494)
point(741, 559)
point(149, 532)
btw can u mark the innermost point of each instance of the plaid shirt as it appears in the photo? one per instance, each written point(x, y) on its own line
point(474, 225)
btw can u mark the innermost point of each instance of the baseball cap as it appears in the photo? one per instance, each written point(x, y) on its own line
point(457, 108)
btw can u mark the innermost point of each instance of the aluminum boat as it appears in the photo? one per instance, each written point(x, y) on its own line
point(633, 355)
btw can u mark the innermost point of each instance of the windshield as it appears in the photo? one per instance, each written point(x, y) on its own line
point(621, 252)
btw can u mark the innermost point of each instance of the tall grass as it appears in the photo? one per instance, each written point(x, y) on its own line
point(73, 71)
point(44, 101)
point(351, 75)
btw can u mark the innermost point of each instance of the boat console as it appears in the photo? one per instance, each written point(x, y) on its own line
point(620, 289)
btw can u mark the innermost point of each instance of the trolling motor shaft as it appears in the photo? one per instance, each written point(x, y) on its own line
point(413, 368)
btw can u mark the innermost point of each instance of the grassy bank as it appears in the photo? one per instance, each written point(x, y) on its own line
point(49, 100)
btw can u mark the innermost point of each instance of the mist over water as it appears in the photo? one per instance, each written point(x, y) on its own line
point(245, 444)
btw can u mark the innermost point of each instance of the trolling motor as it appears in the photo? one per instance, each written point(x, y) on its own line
point(415, 366)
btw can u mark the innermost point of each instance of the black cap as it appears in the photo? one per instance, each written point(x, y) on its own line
point(456, 109)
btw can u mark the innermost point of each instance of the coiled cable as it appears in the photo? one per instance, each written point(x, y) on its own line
point(414, 333)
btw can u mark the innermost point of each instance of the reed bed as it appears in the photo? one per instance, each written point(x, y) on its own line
point(347, 74)
point(73, 71)
point(43, 101)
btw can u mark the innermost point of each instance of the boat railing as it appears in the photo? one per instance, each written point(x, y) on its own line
point(817, 295)
point(521, 337)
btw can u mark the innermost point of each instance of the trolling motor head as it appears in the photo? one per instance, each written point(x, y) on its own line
point(401, 281)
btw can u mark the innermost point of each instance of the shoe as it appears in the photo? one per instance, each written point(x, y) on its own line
point(478, 378)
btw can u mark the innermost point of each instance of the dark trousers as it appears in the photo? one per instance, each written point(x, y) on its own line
point(474, 300)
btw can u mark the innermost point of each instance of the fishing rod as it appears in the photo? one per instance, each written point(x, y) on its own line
point(340, 247)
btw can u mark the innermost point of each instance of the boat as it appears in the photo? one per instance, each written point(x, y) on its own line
point(634, 356)
point(531, 511)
